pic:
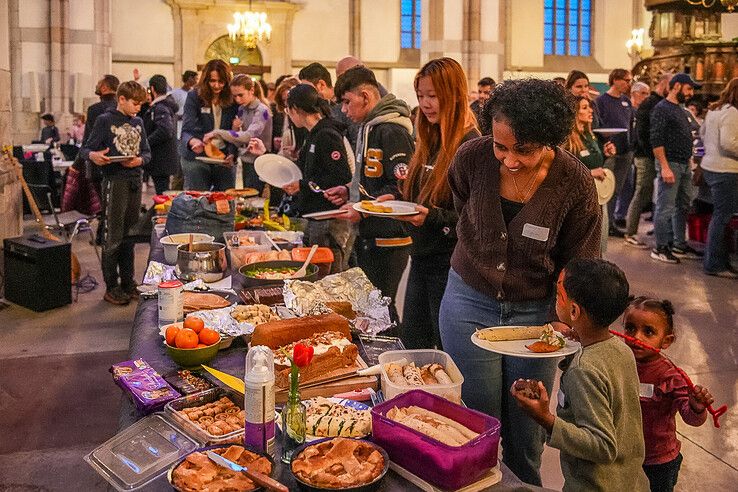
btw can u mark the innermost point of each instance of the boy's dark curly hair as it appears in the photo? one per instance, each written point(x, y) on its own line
point(538, 111)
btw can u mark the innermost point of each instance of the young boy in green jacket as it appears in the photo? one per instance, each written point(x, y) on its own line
point(597, 426)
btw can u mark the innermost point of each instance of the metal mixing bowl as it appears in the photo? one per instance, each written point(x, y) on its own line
point(206, 261)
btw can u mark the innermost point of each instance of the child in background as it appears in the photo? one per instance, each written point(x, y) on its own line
point(597, 423)
point(119, 134)
point(663, 390)
point(49, 133)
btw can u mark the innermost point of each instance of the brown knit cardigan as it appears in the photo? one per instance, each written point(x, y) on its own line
point(499, 260)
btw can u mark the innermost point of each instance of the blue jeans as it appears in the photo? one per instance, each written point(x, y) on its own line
point(489, 376)
point(645, 174)
point(620, 166)
point(201, 176)
point(724, 190)
point(672, 206)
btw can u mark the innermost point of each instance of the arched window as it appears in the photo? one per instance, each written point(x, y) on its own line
point(410, 24)
point(567, 28)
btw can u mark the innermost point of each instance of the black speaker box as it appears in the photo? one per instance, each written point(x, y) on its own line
point(38, 272)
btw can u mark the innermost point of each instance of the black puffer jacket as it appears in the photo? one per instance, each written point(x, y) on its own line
point(161, 127)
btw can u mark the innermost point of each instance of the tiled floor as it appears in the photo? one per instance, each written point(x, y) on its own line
point(91, 334)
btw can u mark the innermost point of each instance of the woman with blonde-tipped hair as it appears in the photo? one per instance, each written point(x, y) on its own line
point(443, 123)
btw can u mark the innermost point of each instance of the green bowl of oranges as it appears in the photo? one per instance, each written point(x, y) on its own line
point(190, 344)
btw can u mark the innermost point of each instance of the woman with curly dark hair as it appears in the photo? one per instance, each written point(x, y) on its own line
point(526, 207)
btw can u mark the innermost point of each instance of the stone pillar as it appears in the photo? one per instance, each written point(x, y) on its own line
point(355, 28)
point(6, 135)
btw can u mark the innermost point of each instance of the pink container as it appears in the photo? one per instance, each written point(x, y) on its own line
point(446, 466)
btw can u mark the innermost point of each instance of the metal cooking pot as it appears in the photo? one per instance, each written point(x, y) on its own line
point(206, 261)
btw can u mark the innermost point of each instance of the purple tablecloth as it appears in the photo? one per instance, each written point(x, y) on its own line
point(146, 344)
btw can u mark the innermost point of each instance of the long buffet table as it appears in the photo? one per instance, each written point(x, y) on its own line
point(146, 344)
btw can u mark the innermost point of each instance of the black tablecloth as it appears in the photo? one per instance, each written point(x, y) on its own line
point(146, 344)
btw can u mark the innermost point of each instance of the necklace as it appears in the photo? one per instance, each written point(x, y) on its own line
point(528, 187)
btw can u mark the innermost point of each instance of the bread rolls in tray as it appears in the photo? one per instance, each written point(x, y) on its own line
point(411, 375)
point(436, 426)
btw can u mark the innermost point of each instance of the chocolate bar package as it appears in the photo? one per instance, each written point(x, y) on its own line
point(188, 382)
point(148, 390)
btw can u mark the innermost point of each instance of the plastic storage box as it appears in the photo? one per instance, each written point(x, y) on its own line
point(323, 257)
point(450, 392)
point(448, 467)
point(239, 253)
point(198, 399)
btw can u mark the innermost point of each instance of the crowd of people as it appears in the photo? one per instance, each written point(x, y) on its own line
point(508, 230)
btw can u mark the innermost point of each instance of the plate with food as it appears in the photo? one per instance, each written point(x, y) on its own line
point(120, 158)
point(390, 208)
point(529, 342)
point(211, 160)
point(339, 463)
point(326, 214)
point(335, 417)
point(197, 472)
point(242, 192)
point(277, 170)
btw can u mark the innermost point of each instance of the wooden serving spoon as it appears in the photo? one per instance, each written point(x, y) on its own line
point(716, 414)
point(303, 269)
point(189, 246)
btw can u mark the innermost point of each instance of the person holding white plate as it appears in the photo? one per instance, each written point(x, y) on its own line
point(583, 144)
point(444, 122)
point(324, 163)
point(526, 208)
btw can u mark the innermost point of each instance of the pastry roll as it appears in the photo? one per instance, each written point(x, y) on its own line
point(440, 374)
point(394, 372)
point(412, 375)
point(428, 377)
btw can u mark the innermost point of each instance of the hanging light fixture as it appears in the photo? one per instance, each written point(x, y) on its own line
point(252, 27)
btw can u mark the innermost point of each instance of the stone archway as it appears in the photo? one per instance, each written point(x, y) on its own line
point(242, 59)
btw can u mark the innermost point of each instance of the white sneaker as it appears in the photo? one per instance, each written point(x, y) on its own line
point(634, 242)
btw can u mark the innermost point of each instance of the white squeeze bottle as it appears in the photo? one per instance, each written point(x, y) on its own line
point(259, 399)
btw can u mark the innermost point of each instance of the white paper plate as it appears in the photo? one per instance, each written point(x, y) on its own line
point(605, 187)
point(210, 160)
point(516, 348)
point(356, 405)
point(327, 214)
point(609, 132)
point(35, 148)
point(399, 208)
point(277, 170)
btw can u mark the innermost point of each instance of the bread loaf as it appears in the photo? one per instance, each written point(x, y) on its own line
point(275, 334)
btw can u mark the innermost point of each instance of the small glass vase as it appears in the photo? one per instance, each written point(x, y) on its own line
point(294, 417)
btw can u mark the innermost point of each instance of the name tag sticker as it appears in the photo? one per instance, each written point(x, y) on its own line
point(645, 390)
point(561, 397)
point(625, 103)
point(206, 110)
point(535, 232)
point(312, 148)
point(584, 153)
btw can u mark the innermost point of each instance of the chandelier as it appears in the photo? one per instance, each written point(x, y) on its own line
point(728, 4)
point(251, 27)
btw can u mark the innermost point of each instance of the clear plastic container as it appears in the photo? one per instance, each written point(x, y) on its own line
point(451, 392)
point(286, 239)
point(238, 252)
point(136, 456)
point(198, 399)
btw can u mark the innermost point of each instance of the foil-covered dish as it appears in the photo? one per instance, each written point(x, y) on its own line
point(371, 307)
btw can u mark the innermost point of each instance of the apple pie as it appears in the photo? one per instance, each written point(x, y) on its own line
point(339, 463)
point(197, 473)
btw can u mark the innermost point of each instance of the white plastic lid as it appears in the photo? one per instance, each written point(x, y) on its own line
point(259, 365)
point(141, 453)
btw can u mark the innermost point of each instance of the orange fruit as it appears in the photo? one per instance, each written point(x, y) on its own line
point(201, 345)
point(171, 333)
point(194, 323)
point(186, 339)
point(208, 336)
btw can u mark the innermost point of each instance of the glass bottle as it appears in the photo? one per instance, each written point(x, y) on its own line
point(294, 417)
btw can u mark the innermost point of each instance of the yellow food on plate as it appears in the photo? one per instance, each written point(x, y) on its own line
point(375, 207)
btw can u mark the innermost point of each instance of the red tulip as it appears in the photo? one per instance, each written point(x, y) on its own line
point(302, 355)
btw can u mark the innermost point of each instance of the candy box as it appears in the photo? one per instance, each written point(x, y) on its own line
point(148, 390)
